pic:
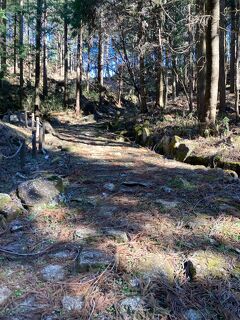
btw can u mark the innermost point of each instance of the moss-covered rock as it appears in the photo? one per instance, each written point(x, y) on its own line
point(182, 152)
point(10, 208)
point(4, 200)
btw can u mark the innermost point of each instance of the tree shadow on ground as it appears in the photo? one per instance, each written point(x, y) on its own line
point(170, 212)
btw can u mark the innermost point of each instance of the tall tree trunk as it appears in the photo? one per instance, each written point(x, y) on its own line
point(233, 46)
point(100, 64)
point(160, 85)
point(89, 46)
point(212, 60)
point(107, 56)
point(65, 98)
point(201, 63)
point(237, 67)
point(174, 77)
point(142, 71)
point(79, 71)
point(21, 54)
point(15, 45)
point(45, 73)
point(3, 44)
point(190, 67)
point(38, 53)
point(222, 79)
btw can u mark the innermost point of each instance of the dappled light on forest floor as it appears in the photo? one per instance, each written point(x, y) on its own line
point(118, 240)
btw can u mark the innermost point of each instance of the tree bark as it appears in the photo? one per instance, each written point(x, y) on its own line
point(233, 47)
point(38, 54)
point(21, 67)
point(212, 60)
point(79, 71)
point(65, 97)
point(88, 64)
point(3, 44)
point(237, 67)
point(142, 84)
point(45, 73)
point(201, 64)
point(190, 67)
point(100, 63)
point(15, 45)
point(222, 78)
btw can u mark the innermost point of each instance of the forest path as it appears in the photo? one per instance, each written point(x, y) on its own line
point(135, 217)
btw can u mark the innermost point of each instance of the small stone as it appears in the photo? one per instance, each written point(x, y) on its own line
point(85, 233)
point(93, 259)
point(167, 204)
point(72, 303)
point(134, 283)
point(167, 189)
point(192, 314)
point(109, 186)
point(117, 235)
point(107, 211)
point(16, 226)
point(62, 255)
point(53, 273)
point(5, 294)
point(131, 304)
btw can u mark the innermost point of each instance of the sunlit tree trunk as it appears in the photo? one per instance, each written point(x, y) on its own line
point(100, 64)
point(201, 63)
point(79, 71)
point(45, 74)
point(65, 97)
point(15, 45)
point(38, 53)
point(232, 46)
point(89, 46)
point(21, 49)
point(190, 67)
point(212, 60)
point(222, 78)
point(237, 67)
point(141, 40)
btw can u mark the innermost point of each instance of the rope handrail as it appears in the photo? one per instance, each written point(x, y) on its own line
point(14, 155)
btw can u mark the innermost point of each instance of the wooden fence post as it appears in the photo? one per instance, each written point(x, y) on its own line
point(34, 143)
point(33, 121)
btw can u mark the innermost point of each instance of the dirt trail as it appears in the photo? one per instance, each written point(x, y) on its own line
point(145, 216)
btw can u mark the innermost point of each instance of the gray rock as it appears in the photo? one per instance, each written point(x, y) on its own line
point(167, 189)
point(10, 208)
point(5, 294)
point(193, 314)
point(38, 192)
point(167, 204)
point(53, 273)
point(107, 211)
point(93, 259)
point(182, 152)
point(85, 233)
point(65, 254)
point(5, 199)
point(16, 226)
point(109, 187)
point(29, 304)
point(117, 235)
point(72, 303)
point(131, 304)
point(134, 283)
